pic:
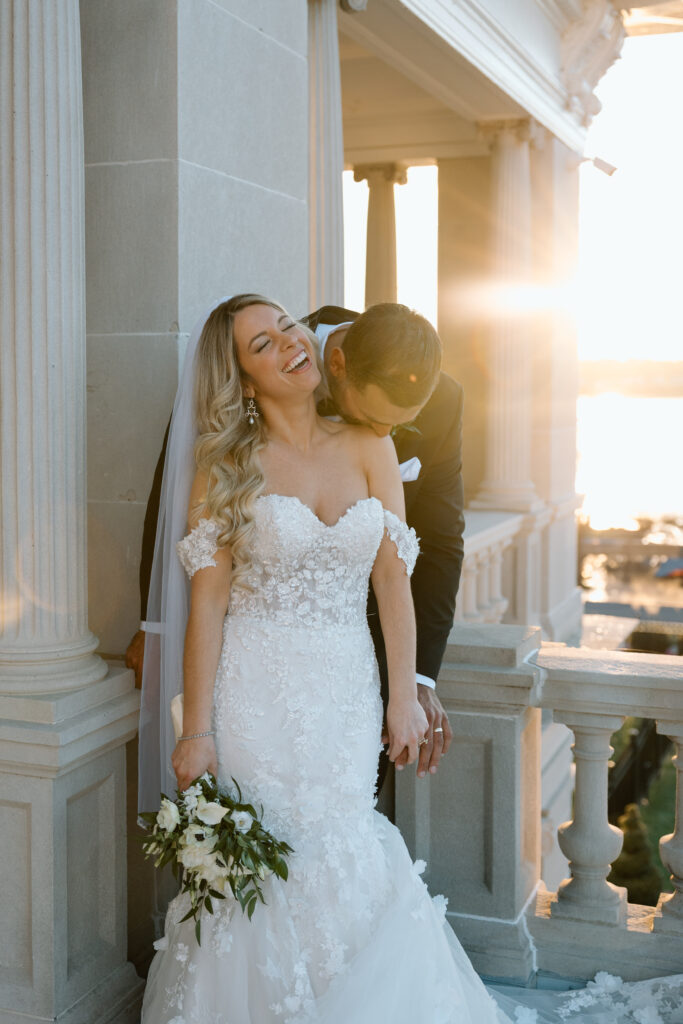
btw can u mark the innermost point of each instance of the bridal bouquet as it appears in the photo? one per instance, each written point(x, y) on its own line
point(219, 842)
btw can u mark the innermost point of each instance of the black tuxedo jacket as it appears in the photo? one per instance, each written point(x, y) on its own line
point(434, 507)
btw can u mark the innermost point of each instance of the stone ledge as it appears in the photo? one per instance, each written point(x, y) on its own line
point(49, 750)
point(499, 950)
point(579, 949)
point(52, 708)
point(611, 682)
point(501, 691)
point(492, 645)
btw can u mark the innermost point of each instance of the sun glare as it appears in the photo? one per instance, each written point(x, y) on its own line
point(631, 223)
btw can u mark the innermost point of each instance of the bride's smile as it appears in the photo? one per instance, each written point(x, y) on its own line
point(274, 349)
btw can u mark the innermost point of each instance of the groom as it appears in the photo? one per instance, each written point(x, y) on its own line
point(381, 369)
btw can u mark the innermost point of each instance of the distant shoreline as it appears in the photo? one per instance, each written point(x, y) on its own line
point(636, 378)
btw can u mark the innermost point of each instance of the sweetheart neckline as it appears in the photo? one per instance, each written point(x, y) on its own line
point(328, 526)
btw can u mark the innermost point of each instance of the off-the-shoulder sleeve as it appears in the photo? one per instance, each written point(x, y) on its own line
point(196, 551)
point(405, 539)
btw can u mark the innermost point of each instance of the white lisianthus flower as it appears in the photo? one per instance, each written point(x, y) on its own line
point(209, 813)
point(168, 816)
point(243, 820)
point(191, 797)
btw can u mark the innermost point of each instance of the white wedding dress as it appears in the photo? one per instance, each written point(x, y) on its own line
point(353, 936)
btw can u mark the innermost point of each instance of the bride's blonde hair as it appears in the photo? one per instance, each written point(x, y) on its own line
point(228, 445)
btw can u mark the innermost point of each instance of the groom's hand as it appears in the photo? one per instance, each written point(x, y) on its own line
point(437, 743)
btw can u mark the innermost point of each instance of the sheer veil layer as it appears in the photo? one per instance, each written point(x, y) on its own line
point(168, 601)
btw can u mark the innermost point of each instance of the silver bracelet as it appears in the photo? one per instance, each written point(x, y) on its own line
point(197, 735)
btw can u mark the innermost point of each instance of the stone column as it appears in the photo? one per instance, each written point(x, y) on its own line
point(326, 157)
point(46, 644)
point(507, 483)
point(63, 720)
point(380, 266)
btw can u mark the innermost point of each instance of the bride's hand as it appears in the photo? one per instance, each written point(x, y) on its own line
point(406, 725)
point(191, 758)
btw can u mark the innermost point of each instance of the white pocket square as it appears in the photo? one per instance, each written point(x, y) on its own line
point(410, 470)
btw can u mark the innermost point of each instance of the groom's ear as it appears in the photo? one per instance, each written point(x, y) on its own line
point(337, 364)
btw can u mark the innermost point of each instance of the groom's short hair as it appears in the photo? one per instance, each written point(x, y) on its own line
point(396, 349)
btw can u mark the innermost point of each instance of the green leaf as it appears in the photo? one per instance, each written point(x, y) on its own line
point(281, 869)
point(208, 904)
point(198, 932)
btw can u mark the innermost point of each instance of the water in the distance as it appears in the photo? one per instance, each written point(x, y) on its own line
point(630, 458)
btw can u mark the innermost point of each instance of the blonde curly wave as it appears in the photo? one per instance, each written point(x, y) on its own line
point(228, 445)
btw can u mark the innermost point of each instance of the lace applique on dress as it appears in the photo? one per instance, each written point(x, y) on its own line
point(196, 551)
point(405, 539)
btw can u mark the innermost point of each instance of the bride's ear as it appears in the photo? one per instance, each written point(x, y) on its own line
point(248, 390)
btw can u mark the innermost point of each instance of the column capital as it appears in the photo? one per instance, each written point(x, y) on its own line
point(392, 173)
point(513, 129)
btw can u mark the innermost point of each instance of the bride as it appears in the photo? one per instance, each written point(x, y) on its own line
point(289, 517)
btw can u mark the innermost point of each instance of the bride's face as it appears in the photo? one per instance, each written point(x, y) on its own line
point(275, 354)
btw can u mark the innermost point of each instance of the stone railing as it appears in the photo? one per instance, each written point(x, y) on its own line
point(487, 535)
point(477, 823)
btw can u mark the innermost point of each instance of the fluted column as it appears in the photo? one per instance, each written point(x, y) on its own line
point(65, 720)
point(380, 266)
point(326, 157)
point(507, 482)
point(45, 644)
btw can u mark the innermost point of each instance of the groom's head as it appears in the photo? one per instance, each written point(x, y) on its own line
point(385, 368)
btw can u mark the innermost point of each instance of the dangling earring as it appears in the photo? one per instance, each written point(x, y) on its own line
point(251, 411)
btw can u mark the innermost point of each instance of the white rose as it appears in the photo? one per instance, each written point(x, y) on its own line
point(168, 816)
point(210, 814)
point(243, 820)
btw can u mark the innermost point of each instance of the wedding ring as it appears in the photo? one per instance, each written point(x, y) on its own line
point(424, 740)
point(439, 729)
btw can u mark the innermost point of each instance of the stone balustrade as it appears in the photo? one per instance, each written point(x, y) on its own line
point(478, 822)
point(487, 535)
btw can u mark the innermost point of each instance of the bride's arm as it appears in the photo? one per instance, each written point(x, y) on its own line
point(406, 721)
point(209, 595)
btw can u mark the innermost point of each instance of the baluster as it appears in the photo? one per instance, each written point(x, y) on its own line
point(497, 601)
point(469, 572)
point(669, 912)
point(589, 842)
point(483, 581)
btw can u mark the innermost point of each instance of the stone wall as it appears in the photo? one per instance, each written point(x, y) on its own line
point(196, 151)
